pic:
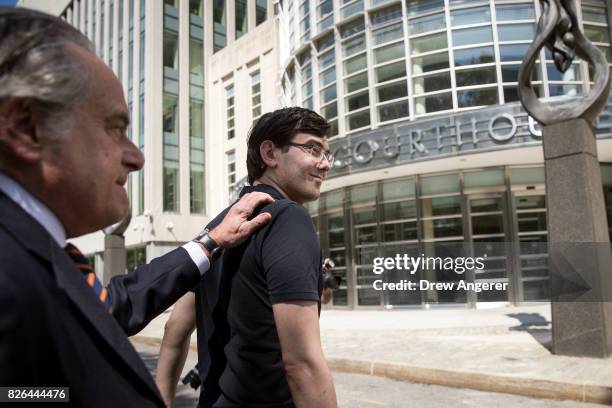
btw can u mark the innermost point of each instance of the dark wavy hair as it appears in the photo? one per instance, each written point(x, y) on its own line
point(279, 127)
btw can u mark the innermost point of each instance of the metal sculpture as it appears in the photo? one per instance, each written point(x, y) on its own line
point(559, 31)
point(119, 228)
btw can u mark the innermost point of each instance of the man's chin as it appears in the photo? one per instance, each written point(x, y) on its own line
point(313, 195)
point(118, 215)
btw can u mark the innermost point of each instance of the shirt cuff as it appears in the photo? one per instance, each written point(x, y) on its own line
point(197, 255)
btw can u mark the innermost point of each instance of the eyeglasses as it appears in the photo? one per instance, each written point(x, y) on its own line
point(315, 151)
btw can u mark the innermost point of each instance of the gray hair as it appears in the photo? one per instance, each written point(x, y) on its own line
point(36, 64)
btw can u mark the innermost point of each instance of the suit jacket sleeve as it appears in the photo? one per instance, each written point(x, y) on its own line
point(141, 295)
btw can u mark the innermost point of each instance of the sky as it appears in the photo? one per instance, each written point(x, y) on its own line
point(7, 2)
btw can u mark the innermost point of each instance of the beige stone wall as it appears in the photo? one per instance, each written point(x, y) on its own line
point(257, 50)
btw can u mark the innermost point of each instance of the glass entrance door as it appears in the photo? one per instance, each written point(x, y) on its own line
point(489, 233)
point(532, 236)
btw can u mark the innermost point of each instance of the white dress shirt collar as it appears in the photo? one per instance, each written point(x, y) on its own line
point(34, 207)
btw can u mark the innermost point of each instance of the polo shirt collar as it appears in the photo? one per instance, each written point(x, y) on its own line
point(263, 188)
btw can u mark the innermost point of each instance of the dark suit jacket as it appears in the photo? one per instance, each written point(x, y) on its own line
point(55, 332)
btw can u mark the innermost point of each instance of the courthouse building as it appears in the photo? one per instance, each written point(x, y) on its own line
point(431, 144)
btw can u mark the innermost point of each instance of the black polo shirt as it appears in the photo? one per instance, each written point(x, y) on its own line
point(241, 364)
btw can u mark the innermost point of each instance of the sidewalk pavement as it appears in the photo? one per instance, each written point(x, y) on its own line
point(502, 349)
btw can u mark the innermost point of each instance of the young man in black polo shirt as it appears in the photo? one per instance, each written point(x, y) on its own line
point(258, 308)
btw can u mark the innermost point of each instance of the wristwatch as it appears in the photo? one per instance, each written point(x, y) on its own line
point(210, 244)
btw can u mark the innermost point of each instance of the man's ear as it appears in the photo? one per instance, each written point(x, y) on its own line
point(268, 152)
point(18, 130)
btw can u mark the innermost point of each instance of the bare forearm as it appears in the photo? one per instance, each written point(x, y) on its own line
point(175, 346)
point(311, 385)
point(169, 366)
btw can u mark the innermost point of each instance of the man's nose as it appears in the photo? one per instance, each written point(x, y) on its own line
point(133, 157)
point(324, 164)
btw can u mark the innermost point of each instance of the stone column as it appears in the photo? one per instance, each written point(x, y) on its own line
point(114, 257)
point(577, 218)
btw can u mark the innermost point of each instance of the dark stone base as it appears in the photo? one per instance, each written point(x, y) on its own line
point(576, 213)
point(114, 257)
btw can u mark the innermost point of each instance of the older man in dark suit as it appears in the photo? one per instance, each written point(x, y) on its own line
point(64, 158)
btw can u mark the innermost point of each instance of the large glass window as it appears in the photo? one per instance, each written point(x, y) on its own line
point(196, 7)
point(196, 157)
point(393, 111)
point(363, 200)
point(512, 52)
point(423, 6)
point(472, 15)
point(327, 80)
point(171, 50)
point(359, 120)
point(350, 9)
point(391, 71)
point(255, 95)
point(333, 232)
point(356, 82)
point(305, 21)
point(389, 52)
point(386, 15)
point(389, 47)
point(326, 59)
point(434, 215)
point(428, 43)
point(506, 12)
point(231, 170)
point(325, 8)
point(471, 56)
point(353, 46)
point(230, 113)
point(240, 15)
point(261, 11)
point(516, 32)
point(219, 24)
point(354, 27)
point(387, 33)
point(476, 35)
point(327, 77)
point(306, 74)
point(433, 103)
point(429, 63)
point(358, 101)
point(510, 72)
point(355, 64)
point(431, 83)
point(427, 23)
point(328, 94)
point(596, 28)
point(425, 59)
point(392, 91)
point(196, 58)
point(476, 76)
point(477, 97)
point(170, 114)
point(170, 153)
point(597, 34)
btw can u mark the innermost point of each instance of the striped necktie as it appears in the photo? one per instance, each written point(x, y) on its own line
point(83, 264)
